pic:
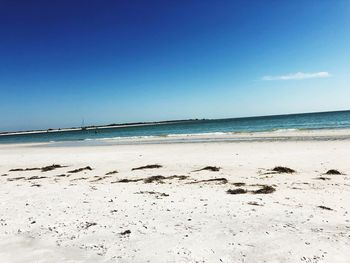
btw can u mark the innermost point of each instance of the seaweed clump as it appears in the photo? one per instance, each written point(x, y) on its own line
point(236, 191)
point(80, 169)
point(282, 169)
point(150, 166)
point(333, 172)
point(266, 189)
point(209, 168)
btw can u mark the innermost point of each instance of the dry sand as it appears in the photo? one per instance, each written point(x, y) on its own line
point(89, 216)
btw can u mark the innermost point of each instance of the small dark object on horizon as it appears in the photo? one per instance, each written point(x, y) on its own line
point(150, 166)
point(236, 191)
point(208, 168)
point(281, 169)
point(333, 172)
point(266, 189)
point(80, 169)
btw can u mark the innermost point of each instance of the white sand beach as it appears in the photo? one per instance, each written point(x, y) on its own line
point(64, 215)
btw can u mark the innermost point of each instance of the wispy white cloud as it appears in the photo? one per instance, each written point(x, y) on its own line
point(299, 76)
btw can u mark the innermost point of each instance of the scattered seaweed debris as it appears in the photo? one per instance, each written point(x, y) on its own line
point(112, 172)
point(208, 168)
point(266, 189)
point(15, 178)
point(238, 184)
point(325, 207)
point(282, 169)
point(150, 166)
point(23, 169)
point(51, 167)
point(89, 224)
point(126, 232)
point(236, 191)
point(99, 178)
point(156, 178)
point(35, 185)
point(322, 178)
point(78, 179)
point(43, 169)
point(333, 172)
point(160, 178)
point(219, 180)
point(152, 193)
point(36, 177)
point(254, 203)
point(127, 181)
point(152, 179)
point(179, 177)
point(3, 175)
point(62, 175)
point(80, 170)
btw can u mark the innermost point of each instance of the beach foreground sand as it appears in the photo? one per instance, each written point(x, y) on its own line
point(62, 215)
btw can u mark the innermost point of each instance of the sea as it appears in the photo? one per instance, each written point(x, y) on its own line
point(277, 123)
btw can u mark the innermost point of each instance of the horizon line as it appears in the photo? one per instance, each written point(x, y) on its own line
point(126, 124)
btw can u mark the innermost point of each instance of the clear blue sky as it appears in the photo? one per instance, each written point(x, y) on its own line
point(126, 61)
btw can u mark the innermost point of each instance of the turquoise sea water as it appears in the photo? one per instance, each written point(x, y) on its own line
point(280, 123)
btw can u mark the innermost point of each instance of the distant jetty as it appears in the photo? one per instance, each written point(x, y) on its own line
point(94, 127)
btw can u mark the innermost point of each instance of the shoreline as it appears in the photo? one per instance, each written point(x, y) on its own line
point(279, 135)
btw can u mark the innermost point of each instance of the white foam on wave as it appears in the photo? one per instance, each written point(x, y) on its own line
point(122, 138)
point(285, 130)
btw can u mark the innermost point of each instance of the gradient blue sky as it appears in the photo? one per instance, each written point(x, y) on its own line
point(126, 61)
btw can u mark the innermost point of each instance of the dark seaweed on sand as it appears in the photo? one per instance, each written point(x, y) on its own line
point(208, 168)
point(127, 181)
point(43, 169)
point(236, 191)
point(36, 177)
point(51, 167)
point(220, 180)
point(333, 172)
point(15, 178)
point(150, 166)
point(156, 178)
point(282, 169)
point(238, 184)
point(112, 172)
point(266, 189)
point(126, 232)
point(152, 179)
point(80, 169)
point(325, 207)
point(160, 178)
point(323, 178)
